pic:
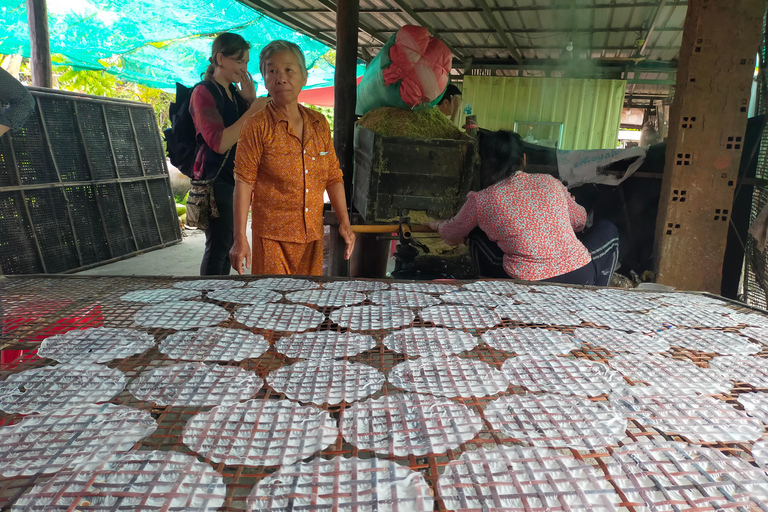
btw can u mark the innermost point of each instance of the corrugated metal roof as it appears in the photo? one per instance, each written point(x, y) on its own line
point(539, 31)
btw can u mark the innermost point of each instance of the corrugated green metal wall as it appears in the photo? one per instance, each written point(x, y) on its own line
point(589, 109)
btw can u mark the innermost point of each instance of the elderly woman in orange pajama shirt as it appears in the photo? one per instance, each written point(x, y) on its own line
point(285, 157)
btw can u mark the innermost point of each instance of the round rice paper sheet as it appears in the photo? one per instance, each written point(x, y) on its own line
point(326, 298)
point(429, 341)
point(139, 480)
point(356, 286)
point(47, 443)
point(550, 313)
point(618, 303)
point(425, 287)
point(719, 342)
point(248, 295)
point(214, 344)
point(685, 299)
point(520, 479)
point(557, 421)
point(260, 433)
point(95, 345)
point(208, 284)
point(760, 453)
point(470, 298)
point(498, 287)
point(749, 369)
point(409, 424)
point(756, 405)
point(655, 475)
point(326, 382)
point(181, 315)
point(372, 318)
point(52, 388)
point(403, 299)
point(692, 316)
point(324, 344)
point(675, 375)
point(158, 295)
point(325, 485)
point(759, 334)
point(280, 317)
point(637, 322)
point(620, 341)
point(449, 376)
point(701, 419)
point(562, 375)
point(196, 385)
point(539, 342)
point(284, 284)
point(461, 317)
point(750, 319)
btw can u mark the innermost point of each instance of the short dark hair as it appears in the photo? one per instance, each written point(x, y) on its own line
point(449, 93)
point(501, 155)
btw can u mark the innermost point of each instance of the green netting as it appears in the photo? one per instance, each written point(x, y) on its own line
point(152, 42)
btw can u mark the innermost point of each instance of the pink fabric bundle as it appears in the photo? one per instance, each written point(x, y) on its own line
point(421, 62)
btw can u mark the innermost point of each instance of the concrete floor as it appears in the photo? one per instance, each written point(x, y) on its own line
point(182, 259)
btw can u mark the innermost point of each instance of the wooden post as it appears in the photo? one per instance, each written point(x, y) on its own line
point(345, 94)
point(40, 53)
point(707, 123)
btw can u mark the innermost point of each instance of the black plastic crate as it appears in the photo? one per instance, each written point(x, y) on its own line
point(83, 182)
point(393, 174)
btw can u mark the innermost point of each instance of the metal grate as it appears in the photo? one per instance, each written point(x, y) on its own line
point(37, 307)
point(83, 182)
point(755, 264)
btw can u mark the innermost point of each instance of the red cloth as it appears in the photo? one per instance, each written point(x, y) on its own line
point(422, 62)
point(29, 312)
point(320, 96)
point(533, 218)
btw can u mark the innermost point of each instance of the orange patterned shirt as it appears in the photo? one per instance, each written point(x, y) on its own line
point(289, 175)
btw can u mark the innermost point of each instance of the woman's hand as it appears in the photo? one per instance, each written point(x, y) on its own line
point(247, 87)
point(345, 230)
point(258, 104)
point(240, 251)
point(435, 225)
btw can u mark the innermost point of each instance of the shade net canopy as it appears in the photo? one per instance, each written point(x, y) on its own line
point(152, 42)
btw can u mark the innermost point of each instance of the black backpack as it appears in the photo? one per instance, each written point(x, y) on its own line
point(181, 138)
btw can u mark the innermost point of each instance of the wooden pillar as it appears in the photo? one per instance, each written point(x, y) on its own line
point(345, 95)
point(707, 123)
point(40, 44)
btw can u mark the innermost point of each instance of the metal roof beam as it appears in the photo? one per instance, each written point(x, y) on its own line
point(585, 30)
point(331, 6)
point(527, 8)
point(652, 27)
point(559, 65)
point(278, 14)
point(490, 17)
point(410, 12)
